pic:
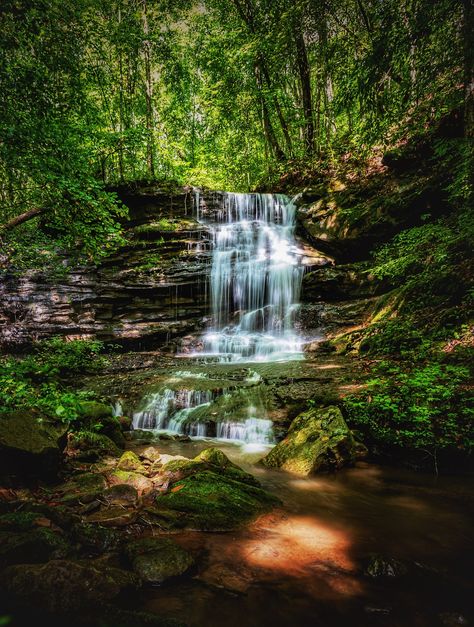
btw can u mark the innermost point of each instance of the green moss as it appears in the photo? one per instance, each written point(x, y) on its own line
point(130, 461)
point(211, 501)
point(318, 439)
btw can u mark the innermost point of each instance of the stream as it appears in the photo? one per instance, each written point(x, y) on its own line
point(303, 564)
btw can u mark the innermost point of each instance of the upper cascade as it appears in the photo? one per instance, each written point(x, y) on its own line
point(255, 279)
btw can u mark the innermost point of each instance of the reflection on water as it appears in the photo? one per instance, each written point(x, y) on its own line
point(303, 564)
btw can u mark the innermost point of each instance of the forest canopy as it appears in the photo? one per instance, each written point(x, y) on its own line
point(217, 93)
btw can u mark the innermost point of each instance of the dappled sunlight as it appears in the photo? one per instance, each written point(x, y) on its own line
point(299, 545)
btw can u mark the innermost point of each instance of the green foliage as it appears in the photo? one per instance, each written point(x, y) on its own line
point(34, 381)
point(427, 405)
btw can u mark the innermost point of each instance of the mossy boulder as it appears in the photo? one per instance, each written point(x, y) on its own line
point(99, 416)
point(130, 461)
point(318, 440)
point(94, 538)
point(210, 459)
point(121, 494)
point(155, 560)
point(82, 488)
point(113, 516)
point(30, 537)
point(151, 453)
point(211, 501)
point(90, 446)
point(143, 485)
point(62, 586)
point(30, 444)
point(210, 493)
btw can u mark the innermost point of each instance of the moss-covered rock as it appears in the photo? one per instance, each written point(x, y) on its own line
point(30, 444)
point(212, 500)
point(318, 440)
point(62, 586)
point(155, 560)
point(151, 453)
point(94, 411)
point(94, 538)
point(121, 494)
point(113, 516)
point(130, 461)
point(33, 546)
point(90, 446)
point(142, 484)
point(82, 488)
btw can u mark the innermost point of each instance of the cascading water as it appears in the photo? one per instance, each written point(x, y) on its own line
point(255, 283)
point(255, 280)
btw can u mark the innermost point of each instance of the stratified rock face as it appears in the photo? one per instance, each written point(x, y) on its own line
point(30, 444)
point(152, 290)
point(318, 440)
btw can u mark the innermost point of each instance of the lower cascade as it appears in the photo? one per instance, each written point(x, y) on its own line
point(171, 411)
point(255, 283)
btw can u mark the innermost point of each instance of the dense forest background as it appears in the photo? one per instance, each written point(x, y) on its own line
point(218, 93)
point(368, 106)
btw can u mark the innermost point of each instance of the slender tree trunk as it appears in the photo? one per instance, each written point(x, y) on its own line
point(276, 104)
point(148, 93)
point(267, 124)
point(468, 34)
point(305, 78)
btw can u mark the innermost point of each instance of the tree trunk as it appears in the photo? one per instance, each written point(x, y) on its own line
point(267, 124)
point(468, 33)
point(305, 78)
point(148, 94)
point(17, 220)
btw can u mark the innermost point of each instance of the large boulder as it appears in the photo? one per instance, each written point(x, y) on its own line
point(155, 560)
point(62, 586)
point(29, 537)
point(30, 444)
point(318, 440)
point(209, 492)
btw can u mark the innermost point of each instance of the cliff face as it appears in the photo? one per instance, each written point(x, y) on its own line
point(151, 290)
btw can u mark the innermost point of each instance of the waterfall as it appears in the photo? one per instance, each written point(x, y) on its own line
point(171, 410)
point(168, 410)
point(255, 279)
point(255, 283)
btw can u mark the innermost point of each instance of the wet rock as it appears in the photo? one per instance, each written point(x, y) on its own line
point(155, 560)
point(211, 493)
point(83, 488)
point(113, 517)
point(91, 446)
point(30, 444)
point(121, 494)
point(35, 545)
point(62, 586)
point(380, 566)
point(130, 461)
point(125, 422)
point(151, 453)
point(318, 440)
point(453, 619)
point(94, 538)
point(142, 484)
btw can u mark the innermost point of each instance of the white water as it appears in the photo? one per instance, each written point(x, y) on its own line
point(255, 280)
point(254, 285)
point(169, 410)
